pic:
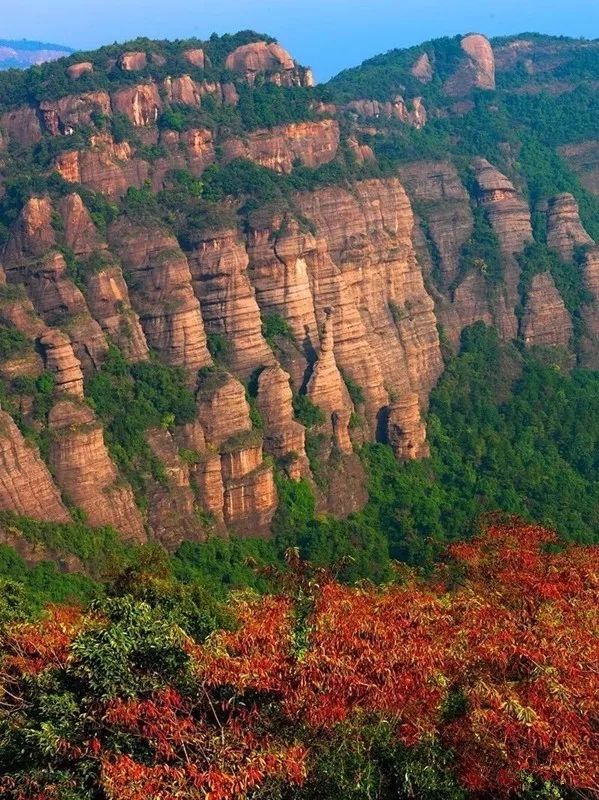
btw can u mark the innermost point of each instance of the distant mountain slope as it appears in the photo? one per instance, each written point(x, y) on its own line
point(25, 53)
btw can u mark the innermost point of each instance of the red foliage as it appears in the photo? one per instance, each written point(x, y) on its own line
point(496, 658)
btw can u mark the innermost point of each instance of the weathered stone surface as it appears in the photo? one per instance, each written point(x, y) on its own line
point(406, 432)
point(108, 299)
point(196, 57)
point(284, 436)
point(546, 320)
point(444, 203)
point(589, 344)
point(583, 158)
point(222, 408)
point(25, 484)
point(22, 125)
point(80, 233)
point(326, 389)
point(141, 103)
point(161, 294)
point(477, 70)
point(415, 114)
point(182, 90)
point(272, 61)
point(423, 69)
point(62, 117)
point(172, 507)
point(564, 228)
point(107, 167)
point(132, 60)
point(250, 502)
point(60, 359)
point(77, 70)
point(219, 269)
point(311, 143)
point(85, 472)
point(207, 480)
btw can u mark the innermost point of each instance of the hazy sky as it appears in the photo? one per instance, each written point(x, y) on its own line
point(326, 34)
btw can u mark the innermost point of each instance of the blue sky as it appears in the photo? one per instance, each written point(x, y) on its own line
point(326, 34)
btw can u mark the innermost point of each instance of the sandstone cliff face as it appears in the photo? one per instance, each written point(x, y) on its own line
point(63, 117)
point(436, 190)
point(509, 215)
point(477, 70)
point(285, 439)
point(219, 269)
point(546, 320)
point(327, 390)
point(141, 103)
point(161, 293)
point(106, 167)
point(414, 114)
point(384, 325)
point(85, 472)
point(171, 503)
point(312, 143)
point(25, 484)
point(272, 61)
point(423, 69)
point(589, 344)
point(61, 361)
point(564, 228)
point(406, 433)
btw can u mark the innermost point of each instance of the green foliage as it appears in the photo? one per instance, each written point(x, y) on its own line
point(130, 399)
point(12, 342)
point(481, 253)
point(355, 391)
point(219, 347)
point(274, 326)
point(307, 412)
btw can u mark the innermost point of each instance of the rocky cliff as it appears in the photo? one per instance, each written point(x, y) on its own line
point(284, 261)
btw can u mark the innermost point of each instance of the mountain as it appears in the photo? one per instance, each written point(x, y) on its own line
point(23, 53)
point(228, 296)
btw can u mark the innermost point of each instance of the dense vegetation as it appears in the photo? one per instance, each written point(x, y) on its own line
point(318, 691)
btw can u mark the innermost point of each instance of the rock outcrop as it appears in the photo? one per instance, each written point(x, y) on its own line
point(546, 320)
point(141, 103)
point(564, 228)
point(405, 430)
point(61, 361)
point(85, 472)
point(477, 70)
point(161, 294)
point(327, 390)
point(423, 69)
point(228, 300)
point(272, 61)
point(26, 486)
point(285, 438)
point(311, 143)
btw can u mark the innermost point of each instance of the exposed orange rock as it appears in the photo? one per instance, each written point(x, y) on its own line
point(589, 344)
point(32, 235)
point(196, 56)
point(162, 295)
point(60, 359)
point(361, 152)
point(284, 437)
point(223, 411)
point(172, 506)
point(312, 143)
point(21, 125)
point(141, 103)
point(25, 484)
point(546, 320)
point(77, 70)
point(406, 432)
point(182, 90)
point(64, 116)
point(80, 233)
point(108, 299)
point(564, 228)
point(327, 390)
point(445, 204)
point(207, 480)
point(477, 70)
point(393, 109)
point(423, 69)
point(132, 61)
point(384, 325)
point(219, 268)
point(85, 472)
point(106, 167)
point(250, 502)
point(271, 60)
